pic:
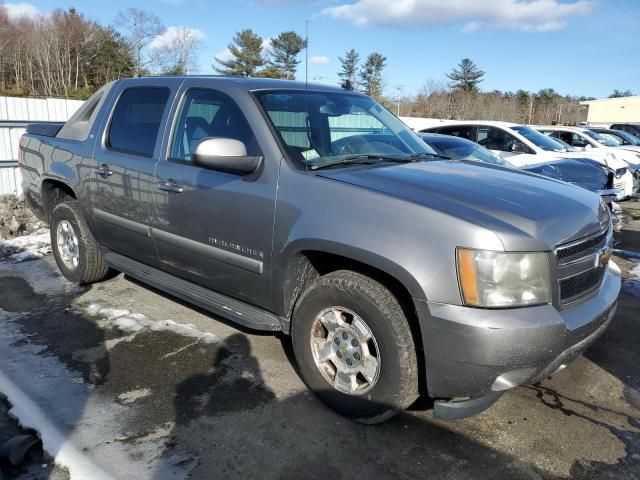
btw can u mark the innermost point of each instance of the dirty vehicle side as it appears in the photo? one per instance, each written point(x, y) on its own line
point(317, 213)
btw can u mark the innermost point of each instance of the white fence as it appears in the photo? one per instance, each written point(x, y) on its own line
point(15, 114)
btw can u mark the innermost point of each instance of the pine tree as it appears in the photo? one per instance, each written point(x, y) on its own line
point(246, 52)
point(285, 49)
point(349, 64)
point(371, 75)
point(466, 76)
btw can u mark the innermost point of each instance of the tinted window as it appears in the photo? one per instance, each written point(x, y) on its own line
point(136, 120)
point(496, 139)
point(209, 113)
point(458, 131)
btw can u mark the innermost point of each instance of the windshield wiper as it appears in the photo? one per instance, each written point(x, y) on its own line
point(417, 156)
point(364, 159)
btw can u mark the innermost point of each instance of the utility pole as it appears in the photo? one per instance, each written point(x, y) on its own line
point(398, 90)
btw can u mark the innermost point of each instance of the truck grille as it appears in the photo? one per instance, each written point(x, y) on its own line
point(580, 285)
point(566, 254)
point(579, 272)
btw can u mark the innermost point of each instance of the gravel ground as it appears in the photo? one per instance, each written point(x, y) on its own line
point(142, 386)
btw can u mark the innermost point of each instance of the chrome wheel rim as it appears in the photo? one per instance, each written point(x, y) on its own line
point(67, 243)
point(345, 351)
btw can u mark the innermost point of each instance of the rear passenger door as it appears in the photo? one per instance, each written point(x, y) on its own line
point(123, 183)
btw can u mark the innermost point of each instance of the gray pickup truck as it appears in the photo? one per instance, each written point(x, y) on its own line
point(314, 211)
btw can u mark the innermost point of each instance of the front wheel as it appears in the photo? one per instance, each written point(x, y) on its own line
point(354, 347)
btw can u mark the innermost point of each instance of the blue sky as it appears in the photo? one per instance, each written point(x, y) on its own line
point(580, 47)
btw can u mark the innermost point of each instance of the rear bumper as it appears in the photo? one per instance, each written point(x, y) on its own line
point(472, 352)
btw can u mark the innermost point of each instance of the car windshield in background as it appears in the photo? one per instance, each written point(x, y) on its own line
point(602, 140)
point(457, 149)
point(538, 139)
point(332, 128)
point(632, 139)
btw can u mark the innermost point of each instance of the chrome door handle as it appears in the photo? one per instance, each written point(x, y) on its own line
point(104, 170)
point(170, 186)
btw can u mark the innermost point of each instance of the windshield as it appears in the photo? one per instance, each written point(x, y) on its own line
point(627, 137)
point(538, 139)
point(458, 149)
point(321, 128)
point(600, 139)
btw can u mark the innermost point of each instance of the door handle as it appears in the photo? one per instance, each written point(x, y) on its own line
point(170, 186)
point(104, 170)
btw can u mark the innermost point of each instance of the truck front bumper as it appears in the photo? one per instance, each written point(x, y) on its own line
point(473, 353)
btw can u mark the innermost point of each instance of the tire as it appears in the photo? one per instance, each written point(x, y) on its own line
point(377, 397)
point(90, 266)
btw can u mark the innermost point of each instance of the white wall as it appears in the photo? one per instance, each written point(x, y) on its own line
point(15, 111)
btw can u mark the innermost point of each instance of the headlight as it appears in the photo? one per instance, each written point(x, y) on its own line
point(499, 280)
point(620, 172)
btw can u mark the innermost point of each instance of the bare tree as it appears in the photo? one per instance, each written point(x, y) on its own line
point(175, 52)
point(141, 29)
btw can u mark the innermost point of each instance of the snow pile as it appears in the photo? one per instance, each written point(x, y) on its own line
point(632, 285)
point(26, 247)
point(128, 322)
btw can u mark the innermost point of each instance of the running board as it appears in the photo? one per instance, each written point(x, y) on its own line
point(234, 310)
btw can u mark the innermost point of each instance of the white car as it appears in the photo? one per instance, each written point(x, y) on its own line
point(591, 142)
point(522, 145)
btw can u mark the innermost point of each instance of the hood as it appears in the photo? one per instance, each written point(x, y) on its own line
point(527, 211)
point(600, 155)
point(633, 148)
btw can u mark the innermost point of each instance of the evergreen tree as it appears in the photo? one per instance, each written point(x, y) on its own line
point(466, 76)
point(619, 93)
point(371, 75)
point(349, 70)
point(246, 52)
point(285, 49)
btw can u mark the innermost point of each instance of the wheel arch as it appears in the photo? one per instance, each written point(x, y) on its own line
point(310, 260)
point(52, 192)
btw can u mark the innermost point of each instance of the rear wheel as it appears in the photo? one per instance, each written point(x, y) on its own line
point(74, 248)
point(354, 347)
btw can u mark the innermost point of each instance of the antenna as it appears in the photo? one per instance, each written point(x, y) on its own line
point(306, 53)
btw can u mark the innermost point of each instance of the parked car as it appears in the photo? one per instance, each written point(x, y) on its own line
point(584, 172)
point(589, 141)
point(522, 145)
point(625, 140)
point(312, 211)
point(632, 128)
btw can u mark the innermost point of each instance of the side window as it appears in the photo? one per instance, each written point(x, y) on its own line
point(458, 131)
point(136, 120)
point(495, 139)
point(578, 141)
point(208, 113)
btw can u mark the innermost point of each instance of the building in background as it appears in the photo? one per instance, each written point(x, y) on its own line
point(15, 114)
point(613, 110)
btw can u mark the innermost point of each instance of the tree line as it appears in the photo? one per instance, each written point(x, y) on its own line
point(64, 54)
point(67, 55)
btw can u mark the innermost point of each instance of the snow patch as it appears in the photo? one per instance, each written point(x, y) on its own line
point(26, 247)
point(128, 322)
point(632, 285)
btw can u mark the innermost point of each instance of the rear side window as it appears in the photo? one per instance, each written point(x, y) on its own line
point(136, 120)
point(456, 131)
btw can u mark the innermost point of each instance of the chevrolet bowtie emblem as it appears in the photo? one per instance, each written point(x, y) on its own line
point(604, 257)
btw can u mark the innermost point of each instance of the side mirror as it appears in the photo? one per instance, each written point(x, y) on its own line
point(225, 154)
point(518, 147)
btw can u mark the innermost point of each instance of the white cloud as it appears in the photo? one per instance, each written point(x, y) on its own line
point(18, 10)
point(173, 35)
point(525, 15)
point(319, 59)
point(224, 54)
